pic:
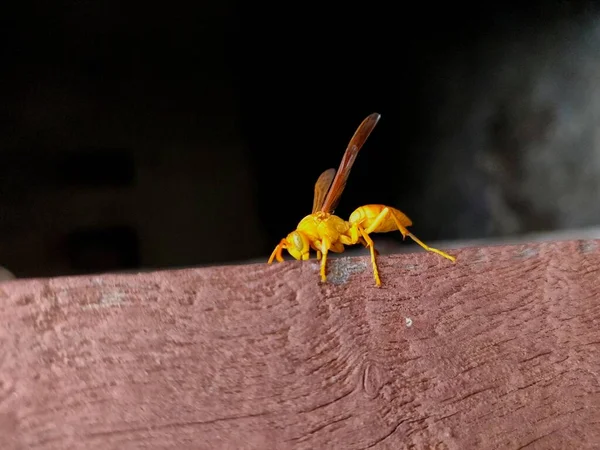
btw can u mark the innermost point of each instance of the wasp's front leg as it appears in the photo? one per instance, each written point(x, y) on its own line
point(277, 252)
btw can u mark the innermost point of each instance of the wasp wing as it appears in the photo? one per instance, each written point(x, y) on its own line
point(341, 178)
point(321, 188)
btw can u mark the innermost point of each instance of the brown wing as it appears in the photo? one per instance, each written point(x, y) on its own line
point(339, 182)
point(321, 187)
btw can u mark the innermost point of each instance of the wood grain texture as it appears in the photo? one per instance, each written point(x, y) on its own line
point(499, 351)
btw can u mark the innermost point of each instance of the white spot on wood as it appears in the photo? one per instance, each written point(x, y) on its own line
point(527, 253)
point(588, 246)
point(108, 300)
point(340, 269)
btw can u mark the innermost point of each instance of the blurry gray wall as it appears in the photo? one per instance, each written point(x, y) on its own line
point(516, 132)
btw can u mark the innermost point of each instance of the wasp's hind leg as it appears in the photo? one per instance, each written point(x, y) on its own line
point(431, 249)
point(386, 211)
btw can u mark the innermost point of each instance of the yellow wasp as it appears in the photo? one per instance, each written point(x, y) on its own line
point(323, 231)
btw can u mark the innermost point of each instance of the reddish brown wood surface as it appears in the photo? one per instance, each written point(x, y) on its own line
point(499, 351)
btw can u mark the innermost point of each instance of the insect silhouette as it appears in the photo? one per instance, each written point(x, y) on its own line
point(323, 231)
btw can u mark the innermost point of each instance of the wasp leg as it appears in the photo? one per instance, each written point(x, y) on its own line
point(366, 244)
point(316, 245)
point(357, 234)
point(371, 246)
point(277, 252)
point(337, 247)
point(355, 238)
point(382, 215)
point(431, 249)
point(325, 244)
point(421, 243)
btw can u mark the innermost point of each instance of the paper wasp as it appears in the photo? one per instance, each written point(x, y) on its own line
point(323, 231)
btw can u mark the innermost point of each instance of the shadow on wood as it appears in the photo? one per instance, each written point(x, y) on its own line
point(500, 350)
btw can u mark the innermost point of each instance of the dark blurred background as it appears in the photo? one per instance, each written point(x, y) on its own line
point(140, 135)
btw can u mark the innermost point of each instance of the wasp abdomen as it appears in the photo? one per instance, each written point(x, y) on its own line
point(366, 215)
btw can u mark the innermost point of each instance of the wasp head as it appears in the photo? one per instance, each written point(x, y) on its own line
point(297, 245)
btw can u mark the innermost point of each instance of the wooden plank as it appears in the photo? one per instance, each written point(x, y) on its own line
point(499, 351)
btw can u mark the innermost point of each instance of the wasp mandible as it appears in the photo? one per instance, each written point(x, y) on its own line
point(323, 231)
